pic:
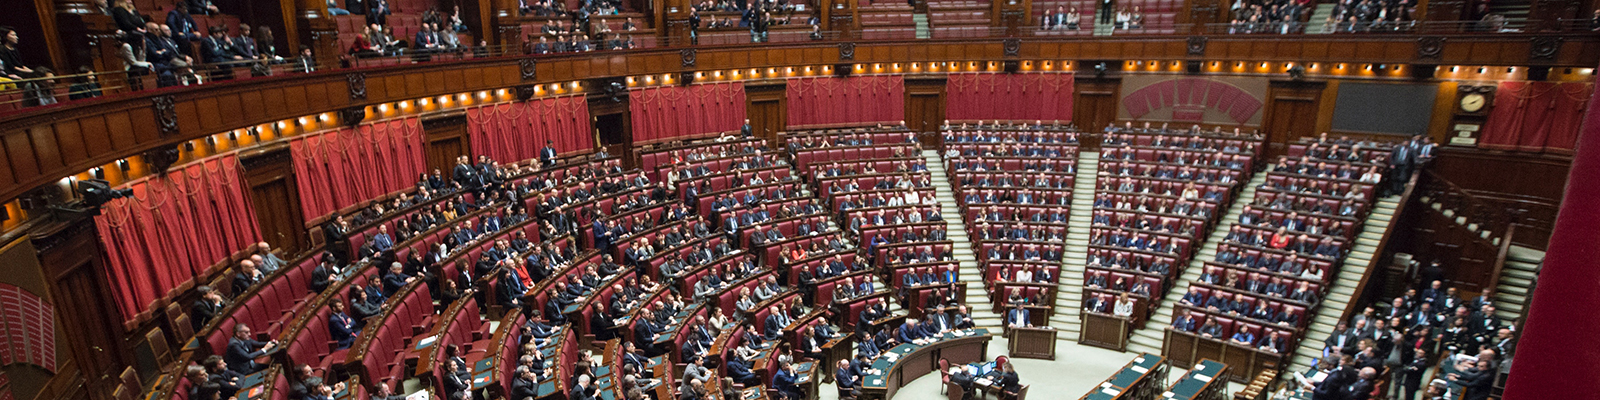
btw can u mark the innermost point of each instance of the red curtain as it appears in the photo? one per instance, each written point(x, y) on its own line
point(1031, 96)
point(861, 99)
point(673, 111)
point(174, 228)
point(343, 167)
point(1536, 116)
point(517, 131)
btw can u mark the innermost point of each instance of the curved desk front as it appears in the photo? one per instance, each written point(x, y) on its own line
point(913, 361)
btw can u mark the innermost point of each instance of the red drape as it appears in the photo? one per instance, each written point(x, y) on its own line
point(173, 228)
point(861, 99)
point(673, 111)
point(343, 167)
point(1556, 356)
point(1536, 116)
point(516, 131)
point(1032, 96)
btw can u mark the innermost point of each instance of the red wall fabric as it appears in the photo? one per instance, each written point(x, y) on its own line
point(1536, 116)
point(343, 167)
point(1029, 96)
point(672, 111)
point(859, 99)
point(1556, 353)
point(174, 228)
point(516, 131)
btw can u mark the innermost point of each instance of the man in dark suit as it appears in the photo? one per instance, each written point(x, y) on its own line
point(1017, 317)
point(207, 307)
point(526, 384)
point(242, 351)
point(1402, 158)
point(246, 278)
point(547, 155)
point(744, 131)
point(341, 327)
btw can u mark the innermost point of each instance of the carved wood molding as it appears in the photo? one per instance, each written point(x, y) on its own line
point(1196, 45)
point(1543, 48)
point(166, 114)
point(1012, 47)
point(847, 51)
point(1430, 47)
point(529, 68)
point(358, 85)
point(689, 57)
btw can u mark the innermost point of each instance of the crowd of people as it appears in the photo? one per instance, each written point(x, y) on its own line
point(1270, 16)
point(1460, 342)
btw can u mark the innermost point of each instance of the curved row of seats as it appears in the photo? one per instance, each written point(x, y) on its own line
point(1158, 193)
point(1260, 288)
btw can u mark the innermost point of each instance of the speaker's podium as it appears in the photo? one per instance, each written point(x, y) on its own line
point(1104, 330)
point(1032, 342)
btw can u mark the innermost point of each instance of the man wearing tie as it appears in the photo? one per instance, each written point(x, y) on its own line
point(1401, 160)
point(547, 155)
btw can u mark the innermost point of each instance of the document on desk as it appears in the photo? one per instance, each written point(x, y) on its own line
point(1139, 369)
point(983, 382)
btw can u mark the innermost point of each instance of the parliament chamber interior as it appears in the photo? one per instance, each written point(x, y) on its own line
point(799, 199)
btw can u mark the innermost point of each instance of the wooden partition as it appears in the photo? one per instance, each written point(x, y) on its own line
point(1186, 349)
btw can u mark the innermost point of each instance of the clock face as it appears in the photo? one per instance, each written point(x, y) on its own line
point(1473, 102)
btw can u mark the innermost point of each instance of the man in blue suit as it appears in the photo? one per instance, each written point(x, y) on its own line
point(1017, 317)
point(341, 327)
point(242, 352)
point(909, 332)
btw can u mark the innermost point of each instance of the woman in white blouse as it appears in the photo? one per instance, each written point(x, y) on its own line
point(1124, 306)
point(1372, 175)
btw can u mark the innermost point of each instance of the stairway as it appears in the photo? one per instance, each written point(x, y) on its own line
point(1152, 337)
point(1319, 17)
point(1516, 278)
point(1101, 29)
point(1516, 281)
point(971, 272)
point(923, 32)
point(1350, 272)
point(1069, 295)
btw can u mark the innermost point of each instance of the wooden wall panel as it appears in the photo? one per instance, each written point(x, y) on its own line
point(23, 162)
point(70, 140)
point(87, 134)
point(46, 151)
point(118, 127)
point(88, 131)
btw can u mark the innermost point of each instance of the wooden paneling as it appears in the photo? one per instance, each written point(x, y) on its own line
point(46, 144)
point(276, 198)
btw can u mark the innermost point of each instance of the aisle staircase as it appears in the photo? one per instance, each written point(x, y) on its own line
point(1151, 338)
point(1338, 297)
point(1069, 295)
point(1319, 17)
point(923, 32)
point(971, 272)
point(1516, 281)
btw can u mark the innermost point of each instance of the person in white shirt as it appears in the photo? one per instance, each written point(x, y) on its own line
point(1025, 275)
point(1124, 306)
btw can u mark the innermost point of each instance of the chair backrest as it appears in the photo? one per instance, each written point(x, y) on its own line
point(130, 378)
point(158, 346)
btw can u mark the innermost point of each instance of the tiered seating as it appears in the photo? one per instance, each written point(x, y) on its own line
point(1270, 272)
point(1159, 16)
point(886, 19)
point(1014, 186)
point(958, 18)
point(1158, 194)
point(1049, 8)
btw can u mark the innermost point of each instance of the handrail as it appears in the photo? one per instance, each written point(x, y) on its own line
point(1360, 289)
point(1478, 211)
point(1500, 257)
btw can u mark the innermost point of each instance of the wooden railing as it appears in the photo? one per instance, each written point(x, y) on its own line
point(1360, 292)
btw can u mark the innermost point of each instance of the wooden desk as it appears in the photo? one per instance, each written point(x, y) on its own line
point(914, 361)
point(1104, 330)
point(1032, 342)
point(1140, 379)
point(1204, 382)
point(1186, 349)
